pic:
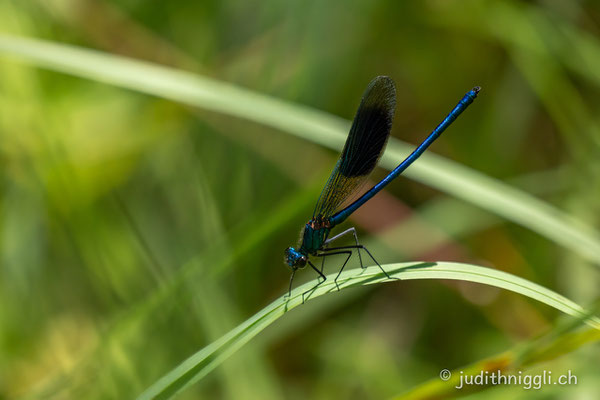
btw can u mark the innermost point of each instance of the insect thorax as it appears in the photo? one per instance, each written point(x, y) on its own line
point(315, 233)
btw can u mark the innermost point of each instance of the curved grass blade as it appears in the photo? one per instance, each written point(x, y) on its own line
point(204, 361)
point(310, 124)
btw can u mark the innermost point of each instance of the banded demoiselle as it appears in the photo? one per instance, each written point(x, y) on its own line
point(365, 145)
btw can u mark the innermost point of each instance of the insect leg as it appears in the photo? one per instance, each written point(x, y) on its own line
point(339, 235)
point(349, 254)
point(320, 282)
point(360, 246)
point(291, 280)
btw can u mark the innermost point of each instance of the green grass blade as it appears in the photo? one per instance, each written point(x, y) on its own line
point(204, 361)
point(310, 124)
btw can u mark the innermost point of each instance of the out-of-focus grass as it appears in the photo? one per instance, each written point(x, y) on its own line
point(135, 231)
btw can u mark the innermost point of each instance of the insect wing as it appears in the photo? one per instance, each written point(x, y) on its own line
point(365, 144)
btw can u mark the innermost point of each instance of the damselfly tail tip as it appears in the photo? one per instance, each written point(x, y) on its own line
point(477, 89)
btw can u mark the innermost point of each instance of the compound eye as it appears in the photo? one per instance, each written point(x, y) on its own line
point(302, 261)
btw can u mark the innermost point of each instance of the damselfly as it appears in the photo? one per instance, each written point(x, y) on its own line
point(365, 145)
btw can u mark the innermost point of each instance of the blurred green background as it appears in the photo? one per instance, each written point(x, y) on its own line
point(136, 230)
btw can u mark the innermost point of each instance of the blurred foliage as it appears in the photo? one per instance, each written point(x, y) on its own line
point(135, 230)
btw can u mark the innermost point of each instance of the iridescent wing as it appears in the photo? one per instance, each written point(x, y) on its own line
point(365, 144)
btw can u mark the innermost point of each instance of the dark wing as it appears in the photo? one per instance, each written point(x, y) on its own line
point(365, 144)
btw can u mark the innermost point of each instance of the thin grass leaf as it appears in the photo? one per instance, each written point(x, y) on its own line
point(204, 361)
point(318, 127)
